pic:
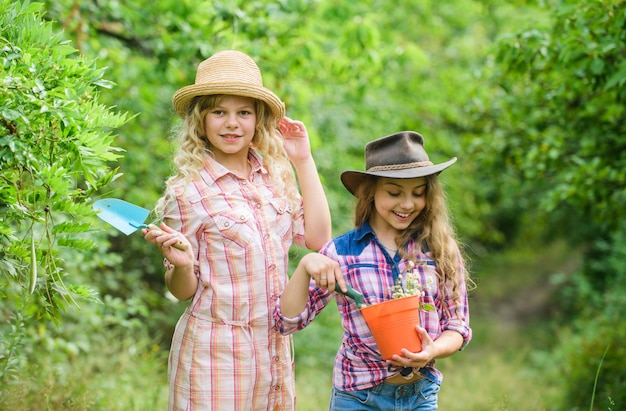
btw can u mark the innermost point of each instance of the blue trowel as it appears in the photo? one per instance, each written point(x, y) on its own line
point(126, 217)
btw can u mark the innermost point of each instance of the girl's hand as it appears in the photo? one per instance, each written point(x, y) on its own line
point(416, 359)
point(324, 271)
point(296, 139)
point(164, 238)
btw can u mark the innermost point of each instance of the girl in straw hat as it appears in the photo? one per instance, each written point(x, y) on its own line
point(235, 204)
point(402, 226)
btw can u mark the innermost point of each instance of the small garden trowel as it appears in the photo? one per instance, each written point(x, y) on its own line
point(352, 293)
point(126, 217)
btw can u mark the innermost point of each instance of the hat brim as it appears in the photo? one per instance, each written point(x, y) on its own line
point(183, 96)
point(352, 179)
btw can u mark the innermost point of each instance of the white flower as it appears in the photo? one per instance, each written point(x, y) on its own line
point(409, 284)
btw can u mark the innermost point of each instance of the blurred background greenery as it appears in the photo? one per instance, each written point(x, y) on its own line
point(528, 94)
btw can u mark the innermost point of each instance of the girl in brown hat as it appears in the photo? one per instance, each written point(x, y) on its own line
point(235, 204)
point(402, 226)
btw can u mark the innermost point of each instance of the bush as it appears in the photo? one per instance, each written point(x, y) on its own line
point(56, 150)
point(596, 344)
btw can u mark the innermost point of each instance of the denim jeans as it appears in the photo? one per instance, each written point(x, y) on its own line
point(418, 396)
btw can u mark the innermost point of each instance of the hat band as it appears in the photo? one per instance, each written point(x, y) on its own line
point(400, 166)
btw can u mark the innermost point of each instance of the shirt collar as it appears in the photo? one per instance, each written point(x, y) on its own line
point(216, 170)
point(364, 231)
point(256, 162)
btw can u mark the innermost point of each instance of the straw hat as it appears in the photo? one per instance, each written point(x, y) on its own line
point(228, 72)
point(399, 155)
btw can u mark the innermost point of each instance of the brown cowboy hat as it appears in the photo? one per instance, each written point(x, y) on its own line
point(228, 72)
point(399, 155)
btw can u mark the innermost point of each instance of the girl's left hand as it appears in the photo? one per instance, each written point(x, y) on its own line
point(416, 359)
point(296, 139)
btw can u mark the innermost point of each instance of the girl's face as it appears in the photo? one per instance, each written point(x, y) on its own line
point(230, 127)
point(397, 202)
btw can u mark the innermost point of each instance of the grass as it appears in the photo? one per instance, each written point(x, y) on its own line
point(123, 373)
point(482, 378)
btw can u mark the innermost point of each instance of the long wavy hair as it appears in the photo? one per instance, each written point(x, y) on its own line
point(431, 231)
point(194, 147)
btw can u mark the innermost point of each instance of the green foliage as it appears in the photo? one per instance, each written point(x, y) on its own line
point(56, 144)
point(556, 130)
point(593, 378)
point(124, 372)
point(596, 296)
point(56, 140)
point(555, 145)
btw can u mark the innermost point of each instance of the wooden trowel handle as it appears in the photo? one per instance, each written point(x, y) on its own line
point(179, 245)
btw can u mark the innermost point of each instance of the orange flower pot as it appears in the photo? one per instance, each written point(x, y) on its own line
point(392, 323)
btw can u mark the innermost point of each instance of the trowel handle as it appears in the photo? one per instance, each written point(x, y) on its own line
point(179, 245)
point(352, 293)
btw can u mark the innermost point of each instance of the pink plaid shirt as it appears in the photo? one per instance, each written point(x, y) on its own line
point(225, 353)
point(368, 268)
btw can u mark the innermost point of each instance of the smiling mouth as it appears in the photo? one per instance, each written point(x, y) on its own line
point(402, 215)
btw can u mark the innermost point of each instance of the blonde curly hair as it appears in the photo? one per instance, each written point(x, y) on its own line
point(193, 149)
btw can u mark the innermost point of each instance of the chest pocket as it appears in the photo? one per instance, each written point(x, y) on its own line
point(371, 280)
point(237, 229)
point(283, 225)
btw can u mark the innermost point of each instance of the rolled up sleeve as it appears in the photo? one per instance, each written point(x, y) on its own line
point(456, 317)
point(318, 299)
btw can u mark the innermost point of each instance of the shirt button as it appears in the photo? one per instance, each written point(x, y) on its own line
point(276, 359)
point(226, 224)
point(277, 387)
point(258, 205)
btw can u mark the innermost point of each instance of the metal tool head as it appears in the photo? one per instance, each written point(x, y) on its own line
point(122, 215)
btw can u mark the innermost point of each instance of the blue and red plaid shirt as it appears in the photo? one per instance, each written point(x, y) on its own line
point(367, 267)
